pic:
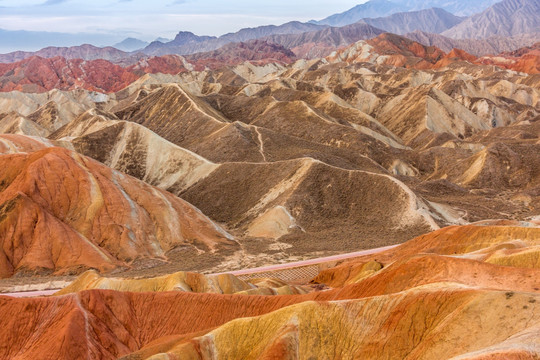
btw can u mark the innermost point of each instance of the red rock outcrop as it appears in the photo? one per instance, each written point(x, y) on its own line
point(525, 59)
point(390, 49)
point(389, 44)
point(37, 74)
point(453, 56)
point(394, 50)
point(105, 325)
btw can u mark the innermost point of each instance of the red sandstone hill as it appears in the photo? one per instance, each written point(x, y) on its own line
point(506, 243)
point(525, 59)
point(394, 50)
point(37, 74)
point(455, 55)
point(390, 49)
point(438, 296)
point(390, 44)
point(61, 212)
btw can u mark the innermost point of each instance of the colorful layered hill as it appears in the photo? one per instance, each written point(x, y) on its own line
point(156, 177)
point(316, 157)
point(495, 246)
point(62, 212)
point(526, 59)
point(38, 74)
point(390, 49)
point(185, 281)
point(463, 292)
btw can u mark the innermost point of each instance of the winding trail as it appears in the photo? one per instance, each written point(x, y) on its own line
point(264, 269)
point(261, 144)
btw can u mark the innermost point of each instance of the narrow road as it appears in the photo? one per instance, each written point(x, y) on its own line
point(309, 262)
point(27, 294)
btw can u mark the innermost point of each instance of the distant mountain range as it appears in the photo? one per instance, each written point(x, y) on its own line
point(507, 18)
point(433, 20)
point(505, 26)
point(38, 74)
point(382, 8)
point(188, 43)
point(131, 44)
point(313, 40)
point(85, 52)
point(478, 47)
point(456, 7)
point(306, 39)
point(371, 9)
point(30, 40)
point(320, 43)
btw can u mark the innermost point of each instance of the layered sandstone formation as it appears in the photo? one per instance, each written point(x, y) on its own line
point(502, 243)
point(398, 51)
point(62, 212)
point(435, 296)
point(154, 177)
point(36, 74)
point(350, 148)
point(186, 282)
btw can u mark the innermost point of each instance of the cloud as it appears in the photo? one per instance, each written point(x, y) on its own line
point(53, 2)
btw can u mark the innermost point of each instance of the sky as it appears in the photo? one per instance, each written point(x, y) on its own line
point(148, 20)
